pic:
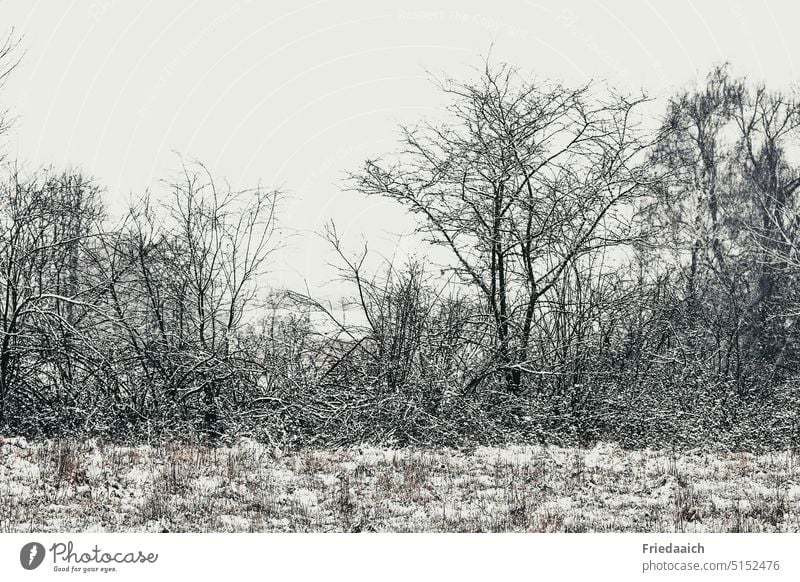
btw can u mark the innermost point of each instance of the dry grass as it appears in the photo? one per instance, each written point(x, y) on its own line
point(89, 486)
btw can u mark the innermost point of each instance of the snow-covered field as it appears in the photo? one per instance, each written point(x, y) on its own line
point(91, 486)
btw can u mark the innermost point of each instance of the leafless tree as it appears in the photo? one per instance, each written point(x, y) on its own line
point(725, 213)
point(185, 275)
point(48, 290)
point(523, 182)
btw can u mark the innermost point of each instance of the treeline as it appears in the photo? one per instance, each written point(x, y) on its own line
point(612, 276)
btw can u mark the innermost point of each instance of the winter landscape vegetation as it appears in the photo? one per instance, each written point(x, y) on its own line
point(597, 332)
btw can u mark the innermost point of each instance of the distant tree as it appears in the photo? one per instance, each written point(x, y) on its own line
point(727, 216)
point(48, 292)
point(769, 187)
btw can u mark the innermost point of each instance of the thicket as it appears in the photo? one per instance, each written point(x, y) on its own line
point(613, 277)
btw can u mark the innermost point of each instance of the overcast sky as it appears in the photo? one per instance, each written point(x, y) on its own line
point(294, 94)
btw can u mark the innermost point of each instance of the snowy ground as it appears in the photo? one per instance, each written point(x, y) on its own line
point(89, 486)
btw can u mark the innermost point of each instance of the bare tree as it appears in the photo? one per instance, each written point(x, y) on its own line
point(769, 183)
point(48, 293)
point(725, 214)
point(522, 182)
point(185, 274)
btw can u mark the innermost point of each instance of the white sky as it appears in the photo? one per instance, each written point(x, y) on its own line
point(294, 94)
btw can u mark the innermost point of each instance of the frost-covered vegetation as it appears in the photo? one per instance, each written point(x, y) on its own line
point(608, 276)
point(91, 486)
